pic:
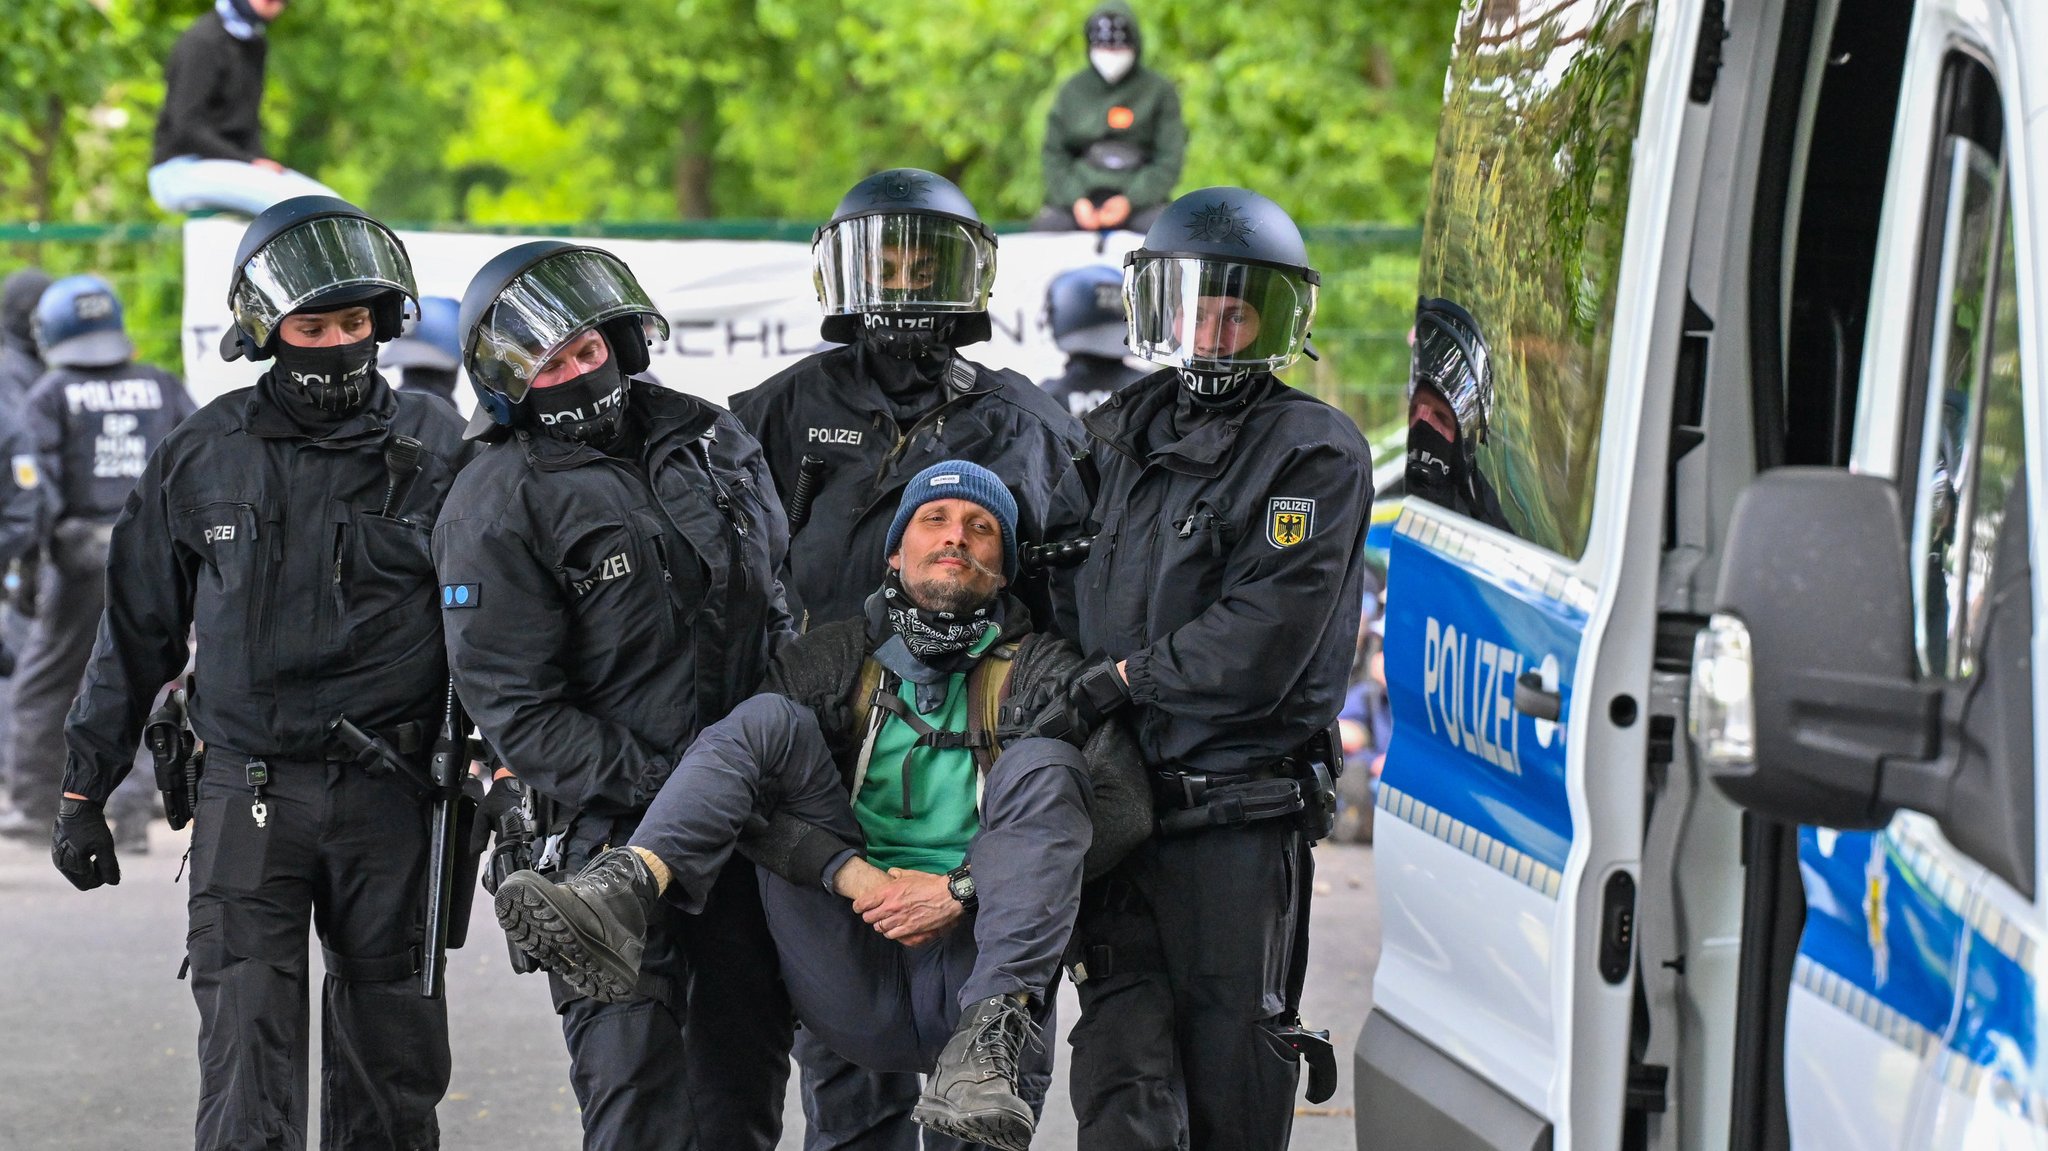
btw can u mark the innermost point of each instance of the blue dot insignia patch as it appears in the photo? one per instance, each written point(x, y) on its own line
point(1289, 521)
point(455, 595)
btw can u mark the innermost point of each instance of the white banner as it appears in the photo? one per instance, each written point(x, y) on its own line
point(738, 311)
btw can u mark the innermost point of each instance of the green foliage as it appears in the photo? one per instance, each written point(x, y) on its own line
point(528, 111)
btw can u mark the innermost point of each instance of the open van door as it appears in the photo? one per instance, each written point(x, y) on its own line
point(1522, 598)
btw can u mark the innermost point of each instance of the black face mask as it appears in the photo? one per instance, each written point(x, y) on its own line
point(1216, 389)
point(906, 337)
point(335, 380)
point(589, 409)
point(1436, 469)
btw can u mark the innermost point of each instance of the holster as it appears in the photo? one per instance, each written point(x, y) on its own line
point(1196, 802)
point(468, 861)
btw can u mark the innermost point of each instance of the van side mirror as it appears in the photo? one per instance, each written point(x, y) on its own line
point(1816, 600)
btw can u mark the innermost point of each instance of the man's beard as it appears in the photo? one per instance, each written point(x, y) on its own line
point(957, 595)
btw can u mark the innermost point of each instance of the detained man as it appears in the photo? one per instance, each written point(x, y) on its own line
point(922, 861)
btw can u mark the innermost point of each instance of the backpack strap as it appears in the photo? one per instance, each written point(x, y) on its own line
point(988, 688)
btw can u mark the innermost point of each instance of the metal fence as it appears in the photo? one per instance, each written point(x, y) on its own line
point(1365, 308)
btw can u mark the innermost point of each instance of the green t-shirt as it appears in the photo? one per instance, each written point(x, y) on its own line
point(928, 826)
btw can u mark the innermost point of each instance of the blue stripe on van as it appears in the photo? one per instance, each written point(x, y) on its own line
point(1464, 617)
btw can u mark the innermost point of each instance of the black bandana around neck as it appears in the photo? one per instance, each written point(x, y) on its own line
point(938, 638)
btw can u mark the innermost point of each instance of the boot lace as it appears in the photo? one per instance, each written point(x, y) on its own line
point(1003, 1038)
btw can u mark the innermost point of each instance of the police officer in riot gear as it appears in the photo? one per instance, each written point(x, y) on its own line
point(903, 270)
point(1219, 603)
point(609, 568)
point(94, 417)
point(1084, 307)
point(275, 525)
point(21, 365)
point(428, 355)
point(1450, 406)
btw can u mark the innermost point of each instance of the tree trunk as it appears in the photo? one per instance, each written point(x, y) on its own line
point(693, 169)
point(41, 161)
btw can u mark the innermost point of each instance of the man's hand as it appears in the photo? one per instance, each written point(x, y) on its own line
point(268, 165)
point(1097, 692)
point(1114, 212)
point(1085, 215)
point(82, 846)
point(912, 908)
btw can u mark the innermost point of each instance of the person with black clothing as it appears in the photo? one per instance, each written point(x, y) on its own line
point(1450, 409)
point(1218, 604)
point(94, 417)
point(428, 356)
point(286, 526)
point(609, 568)
point(1084, 307)
point(208, 150)
point(21, 364)
point(904, 268)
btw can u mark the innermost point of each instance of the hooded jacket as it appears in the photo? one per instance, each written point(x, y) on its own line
point(601, 611)
point(213, 95)
point(269, 542)
point(1141, 111)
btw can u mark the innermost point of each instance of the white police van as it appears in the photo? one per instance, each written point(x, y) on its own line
point(1672, 245)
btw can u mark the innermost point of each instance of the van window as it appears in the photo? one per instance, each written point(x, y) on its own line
point(1971, 449)
point(1521, 253)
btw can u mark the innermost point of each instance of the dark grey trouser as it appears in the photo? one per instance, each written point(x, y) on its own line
point(1171, 1053)
point(348, 852)
point(74, 588)
point(885, 1006)
point(15, 630)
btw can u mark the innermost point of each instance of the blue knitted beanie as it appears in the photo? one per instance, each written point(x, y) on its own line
point(959, 480)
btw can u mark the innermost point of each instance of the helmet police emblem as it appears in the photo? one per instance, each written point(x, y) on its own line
point(897, 189)
point(1220, 223)
point(1289, 521)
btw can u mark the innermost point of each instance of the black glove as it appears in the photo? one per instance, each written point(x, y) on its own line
point(503, 800)
point(82, 846)
point(6, 660)
point(1095, 694)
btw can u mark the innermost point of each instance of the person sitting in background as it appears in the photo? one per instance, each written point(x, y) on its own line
point(1114, 137)
point(430, 351)
point(209, 134)
point(1084, 308)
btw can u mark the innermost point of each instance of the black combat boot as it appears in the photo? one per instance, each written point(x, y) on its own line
point(588, 930)
point(972, 1094)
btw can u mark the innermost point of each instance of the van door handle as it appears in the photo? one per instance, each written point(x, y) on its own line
point(1533, 701)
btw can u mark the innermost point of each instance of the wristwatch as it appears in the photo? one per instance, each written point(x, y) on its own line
point(960, 882)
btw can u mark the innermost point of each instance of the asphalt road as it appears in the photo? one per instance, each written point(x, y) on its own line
point(97, 1036)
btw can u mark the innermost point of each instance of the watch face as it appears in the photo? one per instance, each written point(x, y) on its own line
point(962, 887)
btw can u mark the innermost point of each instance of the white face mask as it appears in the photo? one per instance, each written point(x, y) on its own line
point(1112, 64)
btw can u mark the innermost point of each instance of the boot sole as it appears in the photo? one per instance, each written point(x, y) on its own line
point(1002, 1130)
point(533, 925)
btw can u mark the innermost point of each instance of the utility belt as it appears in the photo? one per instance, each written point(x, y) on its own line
point(1301, 787)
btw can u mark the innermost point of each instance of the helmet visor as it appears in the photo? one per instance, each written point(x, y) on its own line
point(316, 258)
point(547, 304)
point(903, 263)
point(1452, 360)
point(1190, 312)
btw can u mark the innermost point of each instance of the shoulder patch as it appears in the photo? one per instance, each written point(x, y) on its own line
point(458, 595)
point(27, 476)
point(1289, 521)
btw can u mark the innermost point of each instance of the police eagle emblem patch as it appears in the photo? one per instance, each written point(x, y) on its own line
point(1289, 521)
point(27, 476)
point(1221, 223)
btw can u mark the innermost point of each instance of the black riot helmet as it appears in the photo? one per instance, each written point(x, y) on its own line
point(1451, 359)
point(314, 254)
point(1084, 307)
point(532, 299)
point(1222, 290)
point(905, 248)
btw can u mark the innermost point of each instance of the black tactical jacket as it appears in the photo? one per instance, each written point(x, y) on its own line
point(95, 427)
point(600, 612)
point(307, 603)
point(1088, 381)
point(826, 406)
point(1227, 569)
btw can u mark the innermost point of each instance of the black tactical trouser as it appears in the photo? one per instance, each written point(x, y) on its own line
point(74, 589)
point(1186, 946)
point(700, 1057)
point(349, 852)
